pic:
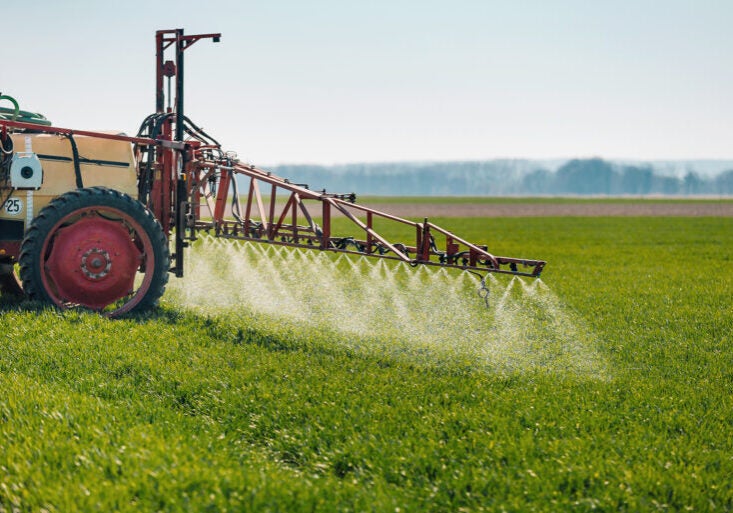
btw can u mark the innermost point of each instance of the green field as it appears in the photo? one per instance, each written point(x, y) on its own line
point(607, 386)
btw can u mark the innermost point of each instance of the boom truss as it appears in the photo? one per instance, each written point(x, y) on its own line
point(239, 201)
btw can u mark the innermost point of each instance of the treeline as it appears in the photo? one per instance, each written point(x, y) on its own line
point(505, 177)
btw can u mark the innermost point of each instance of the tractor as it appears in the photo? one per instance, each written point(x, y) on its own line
point(99, 220)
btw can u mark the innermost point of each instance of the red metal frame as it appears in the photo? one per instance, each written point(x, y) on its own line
point(276, 221)
point(99, 135)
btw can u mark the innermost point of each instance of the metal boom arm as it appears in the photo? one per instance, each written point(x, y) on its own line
point(276, 211)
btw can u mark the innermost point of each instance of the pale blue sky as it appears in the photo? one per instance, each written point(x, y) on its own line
point(350, 81)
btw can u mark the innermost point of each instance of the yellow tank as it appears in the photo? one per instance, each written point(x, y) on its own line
point(104, 162)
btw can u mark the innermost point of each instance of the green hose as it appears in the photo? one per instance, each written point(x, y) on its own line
point(14, 102)
point(15, 114)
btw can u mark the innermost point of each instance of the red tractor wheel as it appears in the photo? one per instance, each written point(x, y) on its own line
point(95, 248)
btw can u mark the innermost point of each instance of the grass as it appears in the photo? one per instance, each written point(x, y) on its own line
point(186, 411)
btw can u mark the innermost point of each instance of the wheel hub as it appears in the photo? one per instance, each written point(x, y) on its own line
point(96, 263)
point(93, 262)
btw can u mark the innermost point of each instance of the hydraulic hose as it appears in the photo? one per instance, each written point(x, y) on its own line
point(15, 114)
point(15, 104)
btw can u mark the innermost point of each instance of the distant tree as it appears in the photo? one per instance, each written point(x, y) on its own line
point(636, 180)
point(499, 177)
point(724, 182)
point(692, 183)
point(585, 176)
point(666, 185)
point(539, 181)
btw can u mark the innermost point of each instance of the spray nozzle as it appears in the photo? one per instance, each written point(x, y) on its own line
point(483, 291)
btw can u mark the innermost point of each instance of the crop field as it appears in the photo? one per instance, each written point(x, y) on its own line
point(278, 380)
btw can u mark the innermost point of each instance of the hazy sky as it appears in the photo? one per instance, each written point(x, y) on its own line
point(350, 81)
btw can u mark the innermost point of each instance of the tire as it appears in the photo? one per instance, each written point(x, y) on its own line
point(95, 248)
point(9, 283)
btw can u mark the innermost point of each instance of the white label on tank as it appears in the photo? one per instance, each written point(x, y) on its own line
point(13, 207)
point(28, 209)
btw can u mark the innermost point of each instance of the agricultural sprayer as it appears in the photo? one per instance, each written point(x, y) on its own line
point(87, 217)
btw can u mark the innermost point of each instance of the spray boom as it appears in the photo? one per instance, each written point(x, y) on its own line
point(239, 201)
